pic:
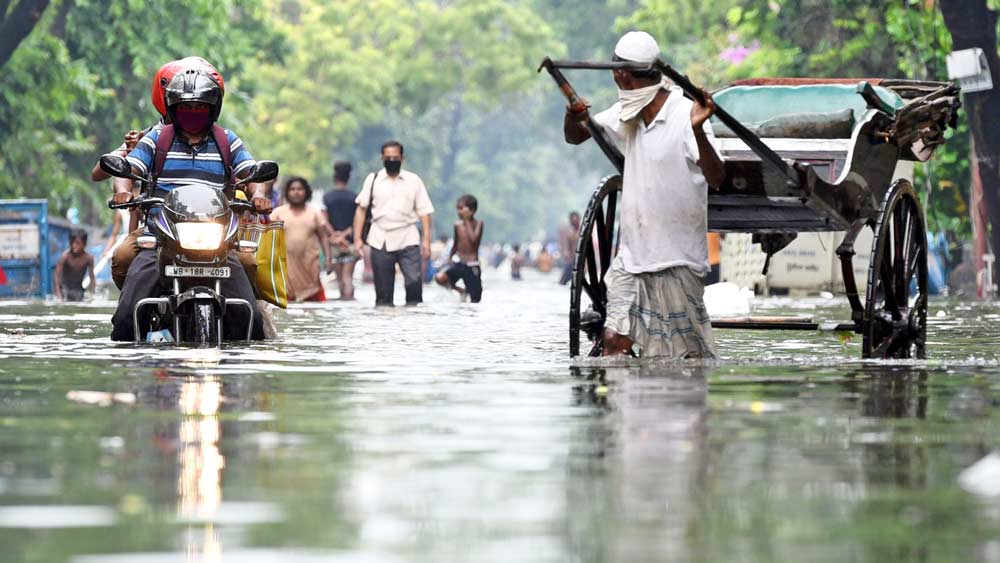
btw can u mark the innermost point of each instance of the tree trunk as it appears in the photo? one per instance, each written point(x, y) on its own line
point(972, 24)
point(17, 24)
point(59, 22)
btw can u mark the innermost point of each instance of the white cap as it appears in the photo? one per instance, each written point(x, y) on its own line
point(637, 46)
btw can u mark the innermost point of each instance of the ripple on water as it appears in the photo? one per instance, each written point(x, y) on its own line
point(457, 432)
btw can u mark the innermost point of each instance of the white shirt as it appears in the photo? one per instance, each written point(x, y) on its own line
point(664, 207)
point(397, 206)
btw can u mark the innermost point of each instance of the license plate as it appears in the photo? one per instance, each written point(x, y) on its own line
point(196, 272)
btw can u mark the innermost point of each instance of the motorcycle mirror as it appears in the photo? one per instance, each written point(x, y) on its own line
point(262, 171)
point(118, 167)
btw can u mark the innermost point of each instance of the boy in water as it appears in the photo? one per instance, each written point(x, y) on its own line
point(468, 234)
point(516, 262)
point(72, 265)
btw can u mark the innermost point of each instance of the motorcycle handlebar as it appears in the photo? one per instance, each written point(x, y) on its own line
point(142, 202)
point(240, 206)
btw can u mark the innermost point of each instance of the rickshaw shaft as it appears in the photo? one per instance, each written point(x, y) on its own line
point(753, 141)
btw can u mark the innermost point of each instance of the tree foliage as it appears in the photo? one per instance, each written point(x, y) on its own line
point(439, 77)
point(82, 78)
point(16, 22)
point(312, 81)
point(722, 40)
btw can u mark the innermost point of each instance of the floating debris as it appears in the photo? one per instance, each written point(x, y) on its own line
point(100, 398)
point(983, 477)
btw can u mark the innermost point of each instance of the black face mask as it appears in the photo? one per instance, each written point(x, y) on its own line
point(393, 166)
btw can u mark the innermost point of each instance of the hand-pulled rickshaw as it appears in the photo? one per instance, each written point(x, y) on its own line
point(801, 155)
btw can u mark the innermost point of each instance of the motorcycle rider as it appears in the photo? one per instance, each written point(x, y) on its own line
point(193, 100)
point(125, 190)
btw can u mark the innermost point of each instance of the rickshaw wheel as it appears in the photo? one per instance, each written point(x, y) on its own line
point(595, 249)
point(895, 318)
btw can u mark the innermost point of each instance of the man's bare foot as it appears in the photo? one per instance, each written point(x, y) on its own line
point(616, 344)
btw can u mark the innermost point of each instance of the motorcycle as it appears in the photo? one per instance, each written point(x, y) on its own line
point(192, 228)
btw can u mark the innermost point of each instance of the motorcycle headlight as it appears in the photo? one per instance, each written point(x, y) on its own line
point(199, 236)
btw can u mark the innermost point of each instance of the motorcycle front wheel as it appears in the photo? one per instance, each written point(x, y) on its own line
point(202, 324)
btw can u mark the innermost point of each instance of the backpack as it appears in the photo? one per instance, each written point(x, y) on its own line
point(166, 139)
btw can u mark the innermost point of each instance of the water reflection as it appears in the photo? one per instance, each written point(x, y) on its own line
point(888, 391)
point(199, 487)
point(464, 436)
point(648, 443)
point(857, 465)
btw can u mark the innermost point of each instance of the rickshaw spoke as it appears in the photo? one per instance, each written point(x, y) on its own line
point(899, 291)
point(913, 260)
point(594, 295)
point(609, 226)
point(892, 343)
point(888, 289)
point(610, 218)
point(591, 261)
point(602, 242)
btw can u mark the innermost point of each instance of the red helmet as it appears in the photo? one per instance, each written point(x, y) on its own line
point(167, 72)
point(160, 80)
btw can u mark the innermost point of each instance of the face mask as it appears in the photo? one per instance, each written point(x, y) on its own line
point(393, 166)
point(193, 120)
point(633, 101)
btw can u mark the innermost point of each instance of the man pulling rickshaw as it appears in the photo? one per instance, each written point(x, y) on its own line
point(655, 287)
point(829, 164)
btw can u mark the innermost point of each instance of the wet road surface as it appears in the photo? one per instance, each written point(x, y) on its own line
point(456, 432)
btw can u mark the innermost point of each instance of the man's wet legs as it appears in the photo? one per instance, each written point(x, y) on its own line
point(236, 319)
point(411, 263)
point(122, 257)
point(616, 344)
point(384, 274)
point(143, 280)
point(345, 280)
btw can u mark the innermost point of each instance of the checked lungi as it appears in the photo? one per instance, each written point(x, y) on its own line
point(662, 312)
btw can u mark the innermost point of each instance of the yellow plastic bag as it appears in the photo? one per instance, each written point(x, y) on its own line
point(272, 263)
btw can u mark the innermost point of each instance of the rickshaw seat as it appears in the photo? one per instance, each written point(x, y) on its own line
point(816, 111)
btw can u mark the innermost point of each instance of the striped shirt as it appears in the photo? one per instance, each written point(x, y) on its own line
point(186, 164)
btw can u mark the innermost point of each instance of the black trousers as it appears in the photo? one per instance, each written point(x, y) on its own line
point(384, 270)
point(471, 276)
point(143, 280)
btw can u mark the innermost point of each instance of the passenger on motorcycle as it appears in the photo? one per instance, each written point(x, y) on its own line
point(193, 100)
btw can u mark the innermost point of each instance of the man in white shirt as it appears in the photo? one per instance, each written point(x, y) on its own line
point(655, 284)
point(398, 199)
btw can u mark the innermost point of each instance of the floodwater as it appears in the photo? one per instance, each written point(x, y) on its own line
point(455, 432)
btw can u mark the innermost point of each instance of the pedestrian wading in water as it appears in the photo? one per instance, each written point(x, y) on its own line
point(306, 233)
point(655, 284)
point(340, 208)
point(75, 263)
point(463, 261)
point(397, 200)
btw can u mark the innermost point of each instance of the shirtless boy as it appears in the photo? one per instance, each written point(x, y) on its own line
point(465, 267)
point(72, 266)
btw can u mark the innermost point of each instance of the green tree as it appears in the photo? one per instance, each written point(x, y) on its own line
point(438, 77)
point(918, 30)
point(82, 78)
point(16, 23)
point(45, 97)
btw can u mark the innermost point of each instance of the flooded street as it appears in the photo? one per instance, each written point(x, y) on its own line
point(456, 432)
